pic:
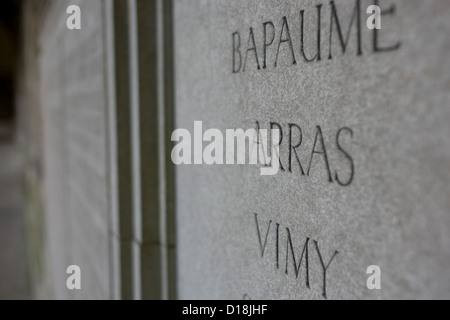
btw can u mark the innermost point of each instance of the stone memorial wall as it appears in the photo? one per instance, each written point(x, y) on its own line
point(364, 153)
point(362, 117)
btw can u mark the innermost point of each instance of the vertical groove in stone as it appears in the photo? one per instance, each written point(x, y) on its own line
point(136, 147)
point(168, 129)
point(111, 143)
point(155, 119)
point(142, 172)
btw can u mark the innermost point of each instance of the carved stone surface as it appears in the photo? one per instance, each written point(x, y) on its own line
point(369, 183)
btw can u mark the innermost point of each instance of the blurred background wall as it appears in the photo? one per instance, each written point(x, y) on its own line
point(72, 189)
point(14, 275)
point(61, 132)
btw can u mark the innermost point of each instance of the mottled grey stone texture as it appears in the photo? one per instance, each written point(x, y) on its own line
point(73, 98)
point(394, 214)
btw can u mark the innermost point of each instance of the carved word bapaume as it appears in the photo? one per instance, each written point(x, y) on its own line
point(260, 48)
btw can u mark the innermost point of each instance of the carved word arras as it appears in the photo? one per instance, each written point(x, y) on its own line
point(295, 156)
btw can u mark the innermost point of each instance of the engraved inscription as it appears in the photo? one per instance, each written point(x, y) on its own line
point(283, 35)
point(291, 150)
point(296, 260)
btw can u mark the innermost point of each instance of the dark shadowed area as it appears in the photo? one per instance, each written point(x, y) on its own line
point(14, 282)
